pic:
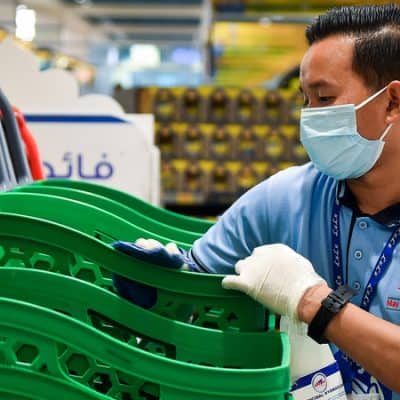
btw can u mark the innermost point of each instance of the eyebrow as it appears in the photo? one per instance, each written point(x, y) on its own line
point(317, 84)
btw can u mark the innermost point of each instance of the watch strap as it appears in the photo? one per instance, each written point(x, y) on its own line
point(330, 306)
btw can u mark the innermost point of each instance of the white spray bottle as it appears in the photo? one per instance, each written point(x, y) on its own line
point(314, 371)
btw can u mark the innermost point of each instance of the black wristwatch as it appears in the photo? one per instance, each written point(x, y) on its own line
point(330, 306)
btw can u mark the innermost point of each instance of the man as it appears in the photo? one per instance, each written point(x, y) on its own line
point(341, 212)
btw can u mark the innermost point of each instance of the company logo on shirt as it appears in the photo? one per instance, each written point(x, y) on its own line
point(319, 382)
point(393, 303)
point(366, 386)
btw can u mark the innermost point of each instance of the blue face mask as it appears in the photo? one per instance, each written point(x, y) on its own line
point(329, 134)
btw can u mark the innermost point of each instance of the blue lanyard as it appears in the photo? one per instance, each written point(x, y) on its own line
point(380, 268)
point(348, 367)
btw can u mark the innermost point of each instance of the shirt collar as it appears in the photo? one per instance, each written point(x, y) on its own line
point(389, 216)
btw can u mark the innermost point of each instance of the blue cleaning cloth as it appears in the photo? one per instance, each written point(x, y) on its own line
point(157, 255)
point(138, 293)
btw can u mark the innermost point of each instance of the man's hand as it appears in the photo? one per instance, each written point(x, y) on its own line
point(275, 276)
point(153, 252)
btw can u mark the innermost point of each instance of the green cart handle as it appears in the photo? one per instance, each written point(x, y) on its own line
point(115, 208)
point(166, 217)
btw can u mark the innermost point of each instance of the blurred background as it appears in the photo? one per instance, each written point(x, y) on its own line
point(220, 77)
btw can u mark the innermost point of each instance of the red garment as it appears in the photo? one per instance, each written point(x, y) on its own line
point(31, 147)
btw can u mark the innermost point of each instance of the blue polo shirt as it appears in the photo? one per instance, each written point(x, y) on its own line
point(294, 207)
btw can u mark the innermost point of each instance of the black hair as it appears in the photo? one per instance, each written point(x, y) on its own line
point(376, 33)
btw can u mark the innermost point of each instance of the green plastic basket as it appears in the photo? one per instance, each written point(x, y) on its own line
point(64, 331)
point(159, 214)
point(118, 370)
point(263, 356)
point(138, 327)
point(28, 242)
point(23, 384)
point(81, 216)
point(120, 210)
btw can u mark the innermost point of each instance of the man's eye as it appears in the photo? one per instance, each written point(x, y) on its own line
point(324, 99)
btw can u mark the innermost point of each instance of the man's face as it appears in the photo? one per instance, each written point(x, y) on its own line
point(327, 78)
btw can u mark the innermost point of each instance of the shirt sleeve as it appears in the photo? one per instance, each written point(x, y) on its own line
point(237, 232)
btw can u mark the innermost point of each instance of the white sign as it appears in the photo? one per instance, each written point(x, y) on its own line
point(101, 149)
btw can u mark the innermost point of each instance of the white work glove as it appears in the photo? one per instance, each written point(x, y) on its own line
point(275, 276)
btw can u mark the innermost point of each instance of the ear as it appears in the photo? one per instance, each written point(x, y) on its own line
point(393, 109)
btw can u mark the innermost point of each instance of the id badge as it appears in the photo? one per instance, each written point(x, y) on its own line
point(324, 384)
